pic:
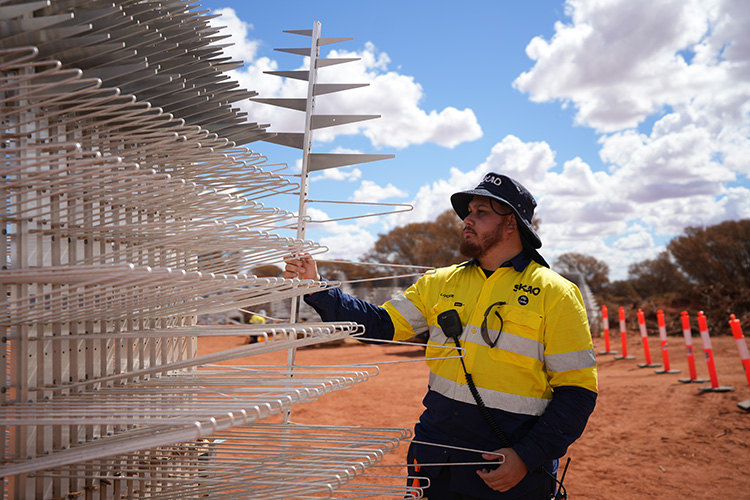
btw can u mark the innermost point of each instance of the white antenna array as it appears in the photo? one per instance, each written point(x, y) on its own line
point(130, 206)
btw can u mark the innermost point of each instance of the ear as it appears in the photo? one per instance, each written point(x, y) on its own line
point(512, 223)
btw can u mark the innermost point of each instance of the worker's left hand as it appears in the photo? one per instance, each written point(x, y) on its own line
point(508, 474)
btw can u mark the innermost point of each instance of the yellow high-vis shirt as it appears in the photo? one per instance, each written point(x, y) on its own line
point(541, 330)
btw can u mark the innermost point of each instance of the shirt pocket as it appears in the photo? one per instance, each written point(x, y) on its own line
point(520, 343)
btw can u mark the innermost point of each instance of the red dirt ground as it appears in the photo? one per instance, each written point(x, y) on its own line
point(649, 437)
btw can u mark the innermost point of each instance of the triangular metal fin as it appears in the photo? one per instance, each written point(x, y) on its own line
point(297, 75)
point(322, 161)
point(289, 139)
point(298, 104)
point(299, 32)
point(328, 41)
point(239, 95)
point(300, 52)
point(322, 63)
point(323, 121)
point(328, 88)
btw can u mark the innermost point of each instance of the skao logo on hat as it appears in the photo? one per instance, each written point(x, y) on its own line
point(494, 179)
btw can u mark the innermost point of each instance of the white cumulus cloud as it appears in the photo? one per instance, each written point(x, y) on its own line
point(685, 64)
point(394, 96)
point(369, 191)
point(337, 174)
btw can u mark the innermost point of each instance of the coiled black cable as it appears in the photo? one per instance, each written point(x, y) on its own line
point(480, 404)
point(450, 322)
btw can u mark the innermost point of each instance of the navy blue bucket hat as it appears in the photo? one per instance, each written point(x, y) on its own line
point(512, 193)
point(508, 191)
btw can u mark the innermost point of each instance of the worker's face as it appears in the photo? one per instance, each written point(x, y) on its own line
point(484, 226)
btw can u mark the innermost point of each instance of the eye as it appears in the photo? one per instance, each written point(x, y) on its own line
point(478, 211)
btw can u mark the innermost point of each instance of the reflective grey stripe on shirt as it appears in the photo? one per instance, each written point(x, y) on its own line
point(438, 336)
point(525, 347)
point(571, 360)
point(410, 313)
point(508, 342)
point(492, 399)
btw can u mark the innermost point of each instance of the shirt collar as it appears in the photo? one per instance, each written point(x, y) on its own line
point(519, 262)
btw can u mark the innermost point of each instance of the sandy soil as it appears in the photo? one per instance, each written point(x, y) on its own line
point(650, 436)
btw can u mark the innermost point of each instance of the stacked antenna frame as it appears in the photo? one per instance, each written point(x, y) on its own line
point(131, 206)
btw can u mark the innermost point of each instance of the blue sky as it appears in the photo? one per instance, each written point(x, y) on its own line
point(627, 119)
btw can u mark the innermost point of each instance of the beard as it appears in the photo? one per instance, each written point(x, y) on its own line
point(479, 247)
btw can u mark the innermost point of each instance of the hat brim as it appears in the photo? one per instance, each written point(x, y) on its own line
point(534, 254)
point(461, 200)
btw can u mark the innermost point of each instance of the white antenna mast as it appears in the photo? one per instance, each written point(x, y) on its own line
point(314, 161)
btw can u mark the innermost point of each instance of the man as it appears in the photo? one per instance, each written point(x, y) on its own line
point(256, 319)
point(526, 350)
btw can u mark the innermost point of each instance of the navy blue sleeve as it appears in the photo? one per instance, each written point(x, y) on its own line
point(559, 426)
point(334, 305)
